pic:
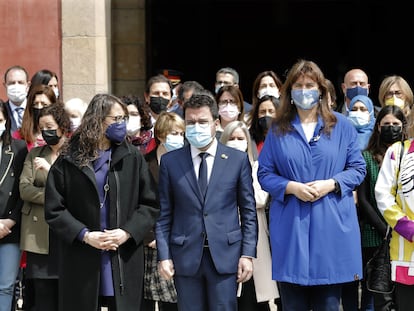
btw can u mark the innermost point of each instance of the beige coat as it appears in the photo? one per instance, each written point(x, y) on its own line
point(266, 288)
point(34, 228)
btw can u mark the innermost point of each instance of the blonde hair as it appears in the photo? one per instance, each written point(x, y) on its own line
point(228, 131)
point(165, 123)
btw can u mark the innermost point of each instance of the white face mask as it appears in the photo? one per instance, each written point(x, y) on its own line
point(229, 112)
point(74, 123)
point(2, 128)
point(358, 118)
point(270, 91)
point(56, 91)
point(16, 93)
point(133, 125)
point(238, 144)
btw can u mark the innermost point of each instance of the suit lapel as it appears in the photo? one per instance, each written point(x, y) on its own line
point(187, 168)
point(5, 161)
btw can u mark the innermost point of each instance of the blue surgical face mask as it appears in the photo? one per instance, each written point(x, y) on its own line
point(198, 136)
point(116, 132)
point(173, 142)
point(352, 92)
point(305, 99)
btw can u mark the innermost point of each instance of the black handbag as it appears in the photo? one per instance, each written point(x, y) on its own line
point(378, 269)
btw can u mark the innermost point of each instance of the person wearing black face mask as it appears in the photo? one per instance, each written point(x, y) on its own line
point(54, 125)
point(158, 93)
point(39, 97)
point(390, 127)
point(158, 104)
point(261, 117)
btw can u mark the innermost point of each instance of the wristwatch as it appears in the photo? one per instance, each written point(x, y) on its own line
point(337, 187)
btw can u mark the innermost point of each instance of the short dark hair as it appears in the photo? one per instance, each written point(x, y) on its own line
point(202, 99)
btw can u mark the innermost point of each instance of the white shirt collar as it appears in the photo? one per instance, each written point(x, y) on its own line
point(13, 106)
point(211, 150)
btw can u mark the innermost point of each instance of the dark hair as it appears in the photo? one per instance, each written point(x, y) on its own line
point(238, 96)
point(30, 126)
point(256, 131)
point(6, 136)
point(43, 77)
point(84, 143)
point(143, 110)
point(257, 81)
point(375, 146)
point(188, 86)
point(158, 79)
point(287, 112)
point(60, 115)
point(202, 99)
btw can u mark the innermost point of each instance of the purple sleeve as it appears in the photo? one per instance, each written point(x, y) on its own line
point(82, 234)
point(405, 228)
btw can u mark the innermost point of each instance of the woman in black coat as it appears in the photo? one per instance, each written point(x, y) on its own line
point(13, 153)
point(101, 202)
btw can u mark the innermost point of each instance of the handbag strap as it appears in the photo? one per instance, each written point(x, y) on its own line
point(401, 157)
point(389, 229)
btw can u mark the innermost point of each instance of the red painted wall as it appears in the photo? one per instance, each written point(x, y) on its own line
point(31, 36)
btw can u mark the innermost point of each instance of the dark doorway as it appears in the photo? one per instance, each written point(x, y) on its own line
point(199, 37)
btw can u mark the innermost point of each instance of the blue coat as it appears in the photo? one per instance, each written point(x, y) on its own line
point(313, 243)
point(228, 214)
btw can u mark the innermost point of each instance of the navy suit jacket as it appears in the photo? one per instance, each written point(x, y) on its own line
point(14, 126)
point(227, 215)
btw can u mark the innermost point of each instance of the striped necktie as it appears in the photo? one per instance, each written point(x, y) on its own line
point(20, 111)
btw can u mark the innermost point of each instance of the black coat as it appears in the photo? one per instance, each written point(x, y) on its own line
point(12, 159)
point(72, 203)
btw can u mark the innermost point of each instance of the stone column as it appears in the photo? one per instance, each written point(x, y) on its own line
point(86, 48)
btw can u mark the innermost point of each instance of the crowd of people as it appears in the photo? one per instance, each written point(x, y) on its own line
point(193, 200)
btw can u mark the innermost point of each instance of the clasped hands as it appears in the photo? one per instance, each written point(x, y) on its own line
point(108, 240)
point(312, 191)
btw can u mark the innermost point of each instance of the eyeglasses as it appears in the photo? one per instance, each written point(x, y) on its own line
point(390, 94)
point(201, 123)
point(118, 119)
point(226, 102)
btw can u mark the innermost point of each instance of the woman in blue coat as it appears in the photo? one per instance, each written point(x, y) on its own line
point(310, 164)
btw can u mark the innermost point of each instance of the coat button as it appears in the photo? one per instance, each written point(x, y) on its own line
point(10, 194)
point(34, 218)
point(12, 174)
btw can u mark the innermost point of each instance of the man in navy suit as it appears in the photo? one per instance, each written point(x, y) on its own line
point(16, 82)
point(206, 239)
